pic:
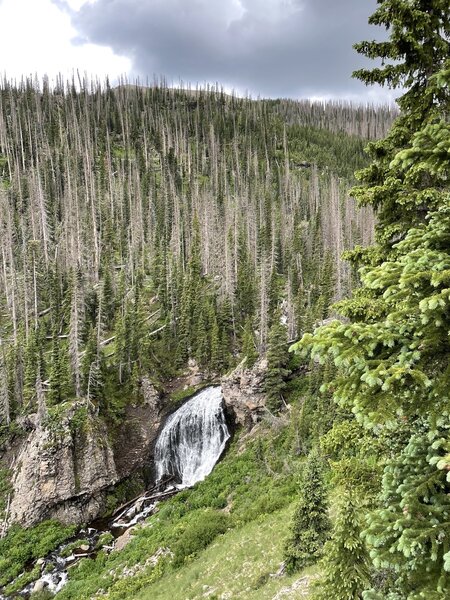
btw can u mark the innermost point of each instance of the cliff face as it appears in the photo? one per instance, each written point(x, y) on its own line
point(61, 471)
point(243, 393)
point(67, 464)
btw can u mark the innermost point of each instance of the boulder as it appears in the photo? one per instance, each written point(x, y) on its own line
point(123, 540)
point(39, 586)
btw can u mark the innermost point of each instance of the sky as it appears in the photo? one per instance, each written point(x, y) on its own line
point(267, 48)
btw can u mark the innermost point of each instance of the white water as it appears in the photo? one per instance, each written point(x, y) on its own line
point(193, 439)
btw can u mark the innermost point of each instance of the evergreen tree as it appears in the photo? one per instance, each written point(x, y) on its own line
point(216, 361)
point(60, 384)
point(249, 343)
point(310, 528)
point(346, 564)
point(393, 355)
point(31, 368)
point(419, 45)
point(277, 361)
point(92, 369)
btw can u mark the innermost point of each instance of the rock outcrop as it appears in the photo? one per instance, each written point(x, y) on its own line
point(69, 461)
point(134, 439)
point(62, 469)
point(243, 392)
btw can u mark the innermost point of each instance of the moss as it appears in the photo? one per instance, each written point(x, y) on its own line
point(80, 420)
point(20, 546)
point(104, 540)
point(23, 580)
point(5, 489)
point(124, 491)
point(179, 396)
point(68, 550)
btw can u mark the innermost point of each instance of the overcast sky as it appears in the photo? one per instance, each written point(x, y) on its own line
point(270, 48)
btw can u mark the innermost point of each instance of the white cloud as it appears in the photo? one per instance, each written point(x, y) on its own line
point(36, 37)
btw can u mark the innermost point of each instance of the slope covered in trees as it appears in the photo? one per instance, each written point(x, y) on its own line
point(141, 227)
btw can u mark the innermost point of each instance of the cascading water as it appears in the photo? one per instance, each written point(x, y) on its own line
point(188, 447)
point(193, 439)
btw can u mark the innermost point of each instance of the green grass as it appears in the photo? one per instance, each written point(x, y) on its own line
point(21, 546)
point(238, 564)
point(178, 396)
point(244, 489)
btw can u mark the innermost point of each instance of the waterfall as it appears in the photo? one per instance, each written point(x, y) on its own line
point(193, 438)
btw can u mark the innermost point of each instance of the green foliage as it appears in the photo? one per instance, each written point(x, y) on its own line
point(190, 538)
point(21, 546)
point(60, 380)
point(240, 562)
point(408, 534)
point(178, 396)
point(5, 488)
point(346, 565)
point(248, 343)
point(277, 364)
point(251, 484)
point(392, 355)
point(310, 528)
point(23, 580)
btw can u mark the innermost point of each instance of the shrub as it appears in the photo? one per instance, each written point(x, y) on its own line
point(199, 533)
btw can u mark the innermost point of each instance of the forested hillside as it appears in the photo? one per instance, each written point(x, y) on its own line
point(141, 227)
point(152, 237)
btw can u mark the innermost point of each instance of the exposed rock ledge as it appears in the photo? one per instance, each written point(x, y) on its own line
point(60, 470)
point(65, 467)
point(243, 392)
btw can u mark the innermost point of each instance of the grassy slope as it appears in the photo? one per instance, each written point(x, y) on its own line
point(238, 564)
point(240, 513)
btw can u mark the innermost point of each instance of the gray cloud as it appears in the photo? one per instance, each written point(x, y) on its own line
point(293, 48)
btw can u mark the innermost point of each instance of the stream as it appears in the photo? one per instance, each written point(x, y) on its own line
point(187, 449)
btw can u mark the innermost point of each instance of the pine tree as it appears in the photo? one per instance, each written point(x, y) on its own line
point(277, 361)
point(419, 43)
point(393, 355)
point(346, 564)
point(408, 534)
point(32, 368)
point(216, 361)
point(92, 369)
point(249, 343)
point(60, 384)
point(311, 526)
point(5, 408)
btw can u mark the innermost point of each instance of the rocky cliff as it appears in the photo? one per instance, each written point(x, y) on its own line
point(243, 393)
point(61, 470)
point(68, 461)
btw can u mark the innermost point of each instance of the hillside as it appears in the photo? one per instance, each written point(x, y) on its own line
point(141, 224)
point(152, 239)
point(224, 336)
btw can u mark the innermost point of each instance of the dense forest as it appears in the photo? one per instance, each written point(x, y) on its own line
point(145, 230)
point(142, 227)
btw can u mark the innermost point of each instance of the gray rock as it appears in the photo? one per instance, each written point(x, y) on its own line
point(39, 586)
point(61, 471)
point(243, 392)
point(123, 540)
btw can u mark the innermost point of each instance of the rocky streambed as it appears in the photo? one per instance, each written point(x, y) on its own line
point(110, 534)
